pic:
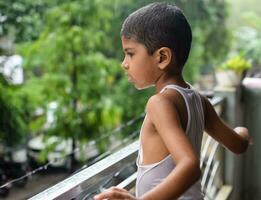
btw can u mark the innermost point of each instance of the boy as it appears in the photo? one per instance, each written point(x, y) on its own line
point(156, 40)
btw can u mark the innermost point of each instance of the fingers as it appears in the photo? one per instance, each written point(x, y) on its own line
point(250, 141)
point(114, 193)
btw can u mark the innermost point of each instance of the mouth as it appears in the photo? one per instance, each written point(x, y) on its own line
point(130, 79)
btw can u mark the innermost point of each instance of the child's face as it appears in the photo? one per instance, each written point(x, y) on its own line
point(141, 68)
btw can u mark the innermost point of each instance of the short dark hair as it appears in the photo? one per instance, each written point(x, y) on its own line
point(160, 25)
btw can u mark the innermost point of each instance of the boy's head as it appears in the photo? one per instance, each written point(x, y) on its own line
point(160, 25)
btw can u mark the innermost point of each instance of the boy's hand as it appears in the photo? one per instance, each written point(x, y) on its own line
point(115, 193)
point(243, 132)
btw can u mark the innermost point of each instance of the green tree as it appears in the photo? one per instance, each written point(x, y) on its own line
point(13, 127)
point(23, 19)
point(69, 60)
point(74, 61)
point(247, 39)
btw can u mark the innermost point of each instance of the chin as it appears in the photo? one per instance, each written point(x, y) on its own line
point(143, 87)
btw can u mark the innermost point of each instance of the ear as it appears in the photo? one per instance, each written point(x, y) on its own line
point(163, 56)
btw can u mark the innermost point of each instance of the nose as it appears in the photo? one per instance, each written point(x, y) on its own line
point(124, 64)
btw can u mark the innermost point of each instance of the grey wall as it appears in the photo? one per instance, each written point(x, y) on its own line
point(233, 115)
point(252, 160)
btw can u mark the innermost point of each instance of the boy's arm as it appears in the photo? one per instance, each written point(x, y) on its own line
point(164, 116)
point(236, 140)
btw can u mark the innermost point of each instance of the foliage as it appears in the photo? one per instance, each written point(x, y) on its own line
point(80, 75)
point(13, 129)
point(237, 63)
point(210, 36)
point(23, 19)
point(207, 18)
point(72, 54)
point(247, 38)
point(238, 8)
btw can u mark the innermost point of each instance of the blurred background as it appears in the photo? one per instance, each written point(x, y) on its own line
point(63, 95)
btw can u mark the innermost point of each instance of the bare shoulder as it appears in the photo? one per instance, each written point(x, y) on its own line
point(166, 99)
point(162, 108)
point(157, 99)
point(155, 104)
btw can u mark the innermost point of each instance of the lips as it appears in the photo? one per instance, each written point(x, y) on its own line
point(130, 79)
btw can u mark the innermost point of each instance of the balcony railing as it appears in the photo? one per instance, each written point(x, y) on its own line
point(119, 169)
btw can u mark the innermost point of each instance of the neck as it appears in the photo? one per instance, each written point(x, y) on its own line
point(166, 79)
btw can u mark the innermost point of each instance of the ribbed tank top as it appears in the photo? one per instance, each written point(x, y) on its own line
point(149, 176)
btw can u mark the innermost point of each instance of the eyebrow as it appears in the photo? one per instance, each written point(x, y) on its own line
point(126, 49)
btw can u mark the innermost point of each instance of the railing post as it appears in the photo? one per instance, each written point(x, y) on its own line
point(232, 114)
point(252, 163)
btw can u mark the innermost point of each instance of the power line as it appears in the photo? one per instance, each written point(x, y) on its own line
point(121, 127)
point(41, 168)
point(45, 166)
point(103, 155)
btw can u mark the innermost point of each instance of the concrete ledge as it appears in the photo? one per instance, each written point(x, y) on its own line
point(224, 192)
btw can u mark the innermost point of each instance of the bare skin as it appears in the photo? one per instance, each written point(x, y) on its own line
point(163, 130)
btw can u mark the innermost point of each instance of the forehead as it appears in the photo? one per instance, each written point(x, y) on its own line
point(130, 43)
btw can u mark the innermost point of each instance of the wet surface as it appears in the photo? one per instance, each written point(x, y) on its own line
point(35, 184)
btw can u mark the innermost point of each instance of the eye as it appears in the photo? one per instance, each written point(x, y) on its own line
point(130, 54)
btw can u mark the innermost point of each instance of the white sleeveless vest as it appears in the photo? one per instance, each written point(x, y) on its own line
point(151, 175)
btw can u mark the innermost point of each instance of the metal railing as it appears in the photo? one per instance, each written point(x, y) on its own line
point(119, 169)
